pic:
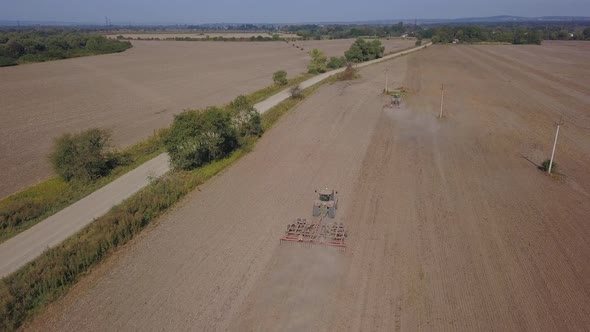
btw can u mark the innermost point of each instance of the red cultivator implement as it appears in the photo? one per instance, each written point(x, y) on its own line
point(319, 231)
point(316, 233)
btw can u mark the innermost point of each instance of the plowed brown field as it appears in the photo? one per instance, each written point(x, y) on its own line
point(451, 226)
point(131, 93)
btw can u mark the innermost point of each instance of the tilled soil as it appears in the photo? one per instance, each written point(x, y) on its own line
point(451, 226)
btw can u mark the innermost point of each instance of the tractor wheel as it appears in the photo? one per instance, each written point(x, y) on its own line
point(332, 212)
point(316, 211)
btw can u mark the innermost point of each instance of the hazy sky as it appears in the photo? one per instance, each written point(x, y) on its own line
point(275, 11)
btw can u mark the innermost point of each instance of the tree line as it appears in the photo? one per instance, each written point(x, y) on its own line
point(34, 45)
point(259, 38)
point(478, 34)
point(513, 33)
point(313, 31)
point(507, 33)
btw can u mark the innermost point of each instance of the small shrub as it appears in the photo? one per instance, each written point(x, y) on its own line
point(336, 62)
point(545, 166)
point(84, 156)
point(296, 92)
point(280, 77)
point(349, 74)
point(418, 42)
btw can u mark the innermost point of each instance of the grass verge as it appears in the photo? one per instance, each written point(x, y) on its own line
point(27, 291)
point(25, 209)
point(28, 207)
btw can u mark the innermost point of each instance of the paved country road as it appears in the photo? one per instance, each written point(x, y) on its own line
point(26, 246)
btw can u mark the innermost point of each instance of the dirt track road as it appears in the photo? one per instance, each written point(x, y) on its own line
point(450, 227)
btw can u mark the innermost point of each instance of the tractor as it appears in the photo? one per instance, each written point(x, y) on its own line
point(318, 231)
point(396, 99)
point(326, 204)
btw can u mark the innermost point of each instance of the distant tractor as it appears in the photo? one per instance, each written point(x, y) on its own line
point(396, 99)
point(326, 204)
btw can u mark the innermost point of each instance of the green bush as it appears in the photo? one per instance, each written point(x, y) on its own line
point(336, 62)
point(363, 50)
point(84, 156)
point(6, 61)
point(245, 117)
point(199, 137)
point(280, 77)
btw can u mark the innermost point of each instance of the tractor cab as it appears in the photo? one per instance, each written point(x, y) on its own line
point(326, 195)
point(326, 204)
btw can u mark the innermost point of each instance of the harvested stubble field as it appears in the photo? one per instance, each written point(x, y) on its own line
point(131, 93)
point(450, 227)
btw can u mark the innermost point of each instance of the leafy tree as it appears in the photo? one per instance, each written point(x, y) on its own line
point(318, 62)
point(84, 156)
point(199, 137)
point(280, 77)
point(361, 50)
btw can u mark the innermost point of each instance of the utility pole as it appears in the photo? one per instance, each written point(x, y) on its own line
point(386, 81)
point(558, 124)
point(442, 99)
